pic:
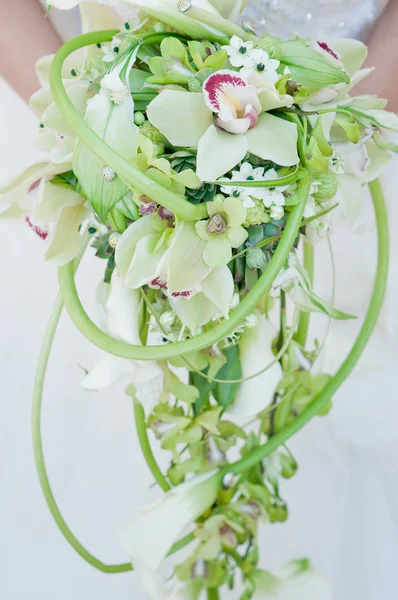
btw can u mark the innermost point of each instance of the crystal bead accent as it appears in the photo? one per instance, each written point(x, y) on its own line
point(184, 5)
point(108, 174)
point(249, 27)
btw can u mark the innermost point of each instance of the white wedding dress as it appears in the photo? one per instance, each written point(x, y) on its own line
point(344, 499)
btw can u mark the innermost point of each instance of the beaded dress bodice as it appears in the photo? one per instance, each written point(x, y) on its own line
point(314, 18)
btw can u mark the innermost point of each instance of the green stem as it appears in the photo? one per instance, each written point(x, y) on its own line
point(357, 349)
point(213, 336)
point(139, 416)
point(131, 175)
point(40, 461)
point(212, 594)
point(38, 449)
point(304, 322)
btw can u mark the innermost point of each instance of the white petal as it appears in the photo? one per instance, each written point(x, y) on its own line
point(182, 117)
point(195, 312)
point(352, 53)
point(255, 354)
point(185, 265)
point(128, 241)
point(274, 139)
point(65, 239)
point(109, 370)
point(218, 286)
point(219, 152)
point(152, 530)
point(122, 309)
point(145, 266)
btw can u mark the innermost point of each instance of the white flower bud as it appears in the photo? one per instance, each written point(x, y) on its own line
point(235, 301)
point(167, 319)
point(251, 321)
point(277, 212)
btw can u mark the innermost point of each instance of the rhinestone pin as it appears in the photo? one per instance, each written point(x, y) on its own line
point(113, 239)
point(108, 174)
point(249, 27)
point(184, 5)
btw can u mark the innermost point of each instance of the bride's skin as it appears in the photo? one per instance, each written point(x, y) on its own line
point(26, 36)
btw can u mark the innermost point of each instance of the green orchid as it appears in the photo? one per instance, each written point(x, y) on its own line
point(223, 230)
point(148, 158)
point(173, 66)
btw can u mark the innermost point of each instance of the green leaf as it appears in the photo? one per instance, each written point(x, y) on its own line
point(216, 61)
point(329, 310)
point(113, 123)
point(224, 393)
point(128, 207)
point(309, 68)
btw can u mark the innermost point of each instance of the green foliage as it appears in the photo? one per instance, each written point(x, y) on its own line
point(224, 393)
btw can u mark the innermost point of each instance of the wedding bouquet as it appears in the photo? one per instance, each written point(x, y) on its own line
point(202, 163)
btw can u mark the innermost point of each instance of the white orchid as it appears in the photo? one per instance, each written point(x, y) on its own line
point(240, 124)
point(197, 292)
point(255, 354)
point(55, 212)
point(297, 582)
point(152, 531)
point(63, 4)
point(119, 310)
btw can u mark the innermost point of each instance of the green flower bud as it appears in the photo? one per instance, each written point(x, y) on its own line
point(257, 214)
point(159, 27)
point(350, 126)
point(175, 475)
point(255, 258)
point(272, 45)
point(318, 134)
point(289, 466)
point(326, 186)
point(278, 514)
point(139, 118)
point(315, 159)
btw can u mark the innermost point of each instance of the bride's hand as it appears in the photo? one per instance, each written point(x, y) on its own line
point(25, 37)
point(383, 54)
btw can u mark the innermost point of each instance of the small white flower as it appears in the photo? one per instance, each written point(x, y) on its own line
point(118, 90)
point(277, 212)
point(167, 319)
point(239, 52)
point(251, 321)
point(246, 194)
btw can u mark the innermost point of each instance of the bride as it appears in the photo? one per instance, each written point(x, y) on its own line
point(342, 502)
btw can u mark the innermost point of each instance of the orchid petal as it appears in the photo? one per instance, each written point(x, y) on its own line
point(108, 371)
point(299, 585)
point(128, 241)
point(236, 212)
point(237, 236)
point(186, 267)
point(352, 53)
point(219, 152)
point(52, 117)
point(122, 308)
point(218, 287)
point(379, 161)
point(274, 139)
point(195, 312)
point(152, 530)
point(255, 354)
point(145, 266)
point(217, 252)
point(182, 117)
point(271, 99)
point(65, 239)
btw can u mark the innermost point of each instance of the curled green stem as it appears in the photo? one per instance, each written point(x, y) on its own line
point(139, 416)
point(357, 349)
point(205, 340)
point(304, 322)
point(130, 174)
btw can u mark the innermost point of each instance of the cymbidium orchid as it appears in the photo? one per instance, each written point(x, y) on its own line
point(118, 311)
point(197, 292)
point(223, 230)
point(239, 125)
point(151, 532)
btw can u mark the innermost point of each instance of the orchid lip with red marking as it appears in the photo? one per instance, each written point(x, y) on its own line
point(216, 84)
point(324, 46)
point(252, 114)
point(42, 233)
point(158, 283)
point(34, 185)
point(185, 294)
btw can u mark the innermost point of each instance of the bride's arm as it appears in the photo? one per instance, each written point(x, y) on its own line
point(25, 36)
point(383, 54)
